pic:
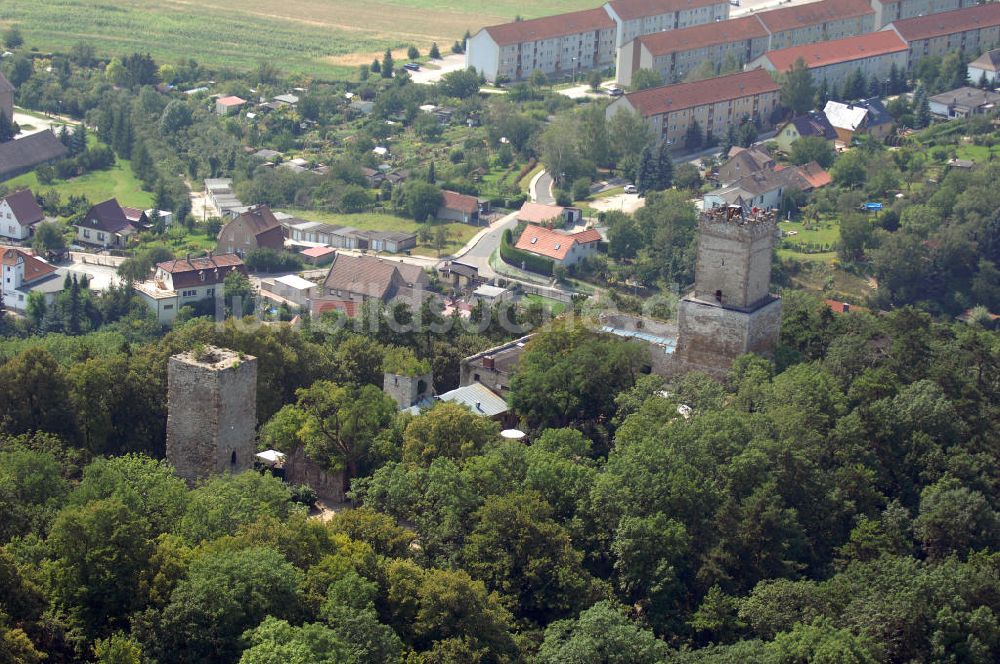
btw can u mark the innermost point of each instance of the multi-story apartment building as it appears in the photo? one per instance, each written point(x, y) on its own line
point(634, 18)
point(715, 104)
point(833, 61)
point(817, 21)
point(972, 30)
point(887, 11)
point(677, 53)
point(566, 44)
point(555, 45)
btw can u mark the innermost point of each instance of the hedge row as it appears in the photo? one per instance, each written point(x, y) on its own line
point(518, 258)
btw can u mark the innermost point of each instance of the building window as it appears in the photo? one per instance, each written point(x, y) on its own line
point(167, 306)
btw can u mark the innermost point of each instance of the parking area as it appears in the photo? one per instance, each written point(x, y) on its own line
point(432, 72)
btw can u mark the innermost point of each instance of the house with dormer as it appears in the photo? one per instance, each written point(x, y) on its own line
point(187, 281)
point(104, 225)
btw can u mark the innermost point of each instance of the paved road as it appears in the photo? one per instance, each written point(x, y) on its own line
point(541, 189)
point(479, 252)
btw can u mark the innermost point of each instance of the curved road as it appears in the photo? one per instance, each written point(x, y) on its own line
point(541, 189)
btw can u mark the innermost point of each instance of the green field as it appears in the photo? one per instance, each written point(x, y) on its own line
point(116, 182)
point(458, 234)
point(312, 37)
point(825, 233)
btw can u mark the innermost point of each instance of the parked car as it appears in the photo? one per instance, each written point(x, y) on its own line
point(412, 66)
point(616, 92)
point(631, 189)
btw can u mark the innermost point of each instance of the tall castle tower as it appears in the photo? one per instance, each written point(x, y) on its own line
point(211, 412)
point(731, 311)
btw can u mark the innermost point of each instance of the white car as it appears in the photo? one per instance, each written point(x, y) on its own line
point(631, 189)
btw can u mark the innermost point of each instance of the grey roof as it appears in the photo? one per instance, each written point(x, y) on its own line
point(989, 61)
point(23, 154)
point(966, 98)
point(478, 398)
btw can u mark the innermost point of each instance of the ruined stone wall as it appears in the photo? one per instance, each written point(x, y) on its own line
point(711, 337)
point(408, 391)
point(211, 413)
point(300, 469)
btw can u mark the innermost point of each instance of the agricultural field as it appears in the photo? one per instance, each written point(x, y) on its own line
point(314, 38)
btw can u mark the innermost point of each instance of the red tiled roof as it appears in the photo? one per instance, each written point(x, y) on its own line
point(587, 236)
point(815, 175)
point(34, 268)
point(453, 200)
point(629, 10)
point(668, 98)
point(214, 268)
point(549, 27)
point(231, 101)
point(544, 242)
point(347, 307)
point(538, 213)
point(832, 52)
point(843, 307)
point(25, 207)
point(700, 36)
point(946, 23)
point(133, 214)
point(813, 13)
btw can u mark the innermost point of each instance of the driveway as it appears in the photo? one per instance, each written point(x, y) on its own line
point(37, 124)
point(478, 251)
point(432, 71)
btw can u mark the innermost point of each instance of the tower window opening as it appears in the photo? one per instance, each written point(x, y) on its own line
point(232, 458)
point(718, 295)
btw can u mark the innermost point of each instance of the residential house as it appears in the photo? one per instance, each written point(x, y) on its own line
point(808, 177)
point(971, 30)
point(743, 161)
point(873, 54)
point(549, 215)
point(458, 207)
point(480, 400)
point(850, 120)
point(676, 53)
point(188, 281)
point(105, 225)
point(887, 11)
point(813, 124)
point(19, 212)
point(763, 190)
point(287, 99)
point(817, 21)
point(353, 280)
point(561, 248)
point(229, 105)
point(963, 102)
point(715, 104)
point(28, 152)
point(373, 177)
point(24, 273)
point(458, 274)
point(6, 97)
point(985, 67)
point(257, 228)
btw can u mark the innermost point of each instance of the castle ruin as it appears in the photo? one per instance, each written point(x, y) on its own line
point(211, 412)
point(731, 311)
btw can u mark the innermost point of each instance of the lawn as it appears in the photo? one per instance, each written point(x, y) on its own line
point(116, 182)
point(824, 234)
point(555, 307)
point(978, 153)
point(311, 37)
point(458, 234)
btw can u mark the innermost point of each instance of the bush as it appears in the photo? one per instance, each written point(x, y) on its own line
point(270, 260)
point(303, 494)
point(523, 259)
point(581, 188)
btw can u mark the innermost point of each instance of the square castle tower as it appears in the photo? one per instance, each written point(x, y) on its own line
point(211, 412)
point(731, 311)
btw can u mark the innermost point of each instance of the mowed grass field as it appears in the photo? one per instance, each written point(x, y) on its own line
point(315, 38)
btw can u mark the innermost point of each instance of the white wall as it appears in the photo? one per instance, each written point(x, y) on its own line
point(483, 55)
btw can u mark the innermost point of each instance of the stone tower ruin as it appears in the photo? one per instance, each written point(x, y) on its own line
point(731, 311)
point(407, 390)
point(211, 412)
